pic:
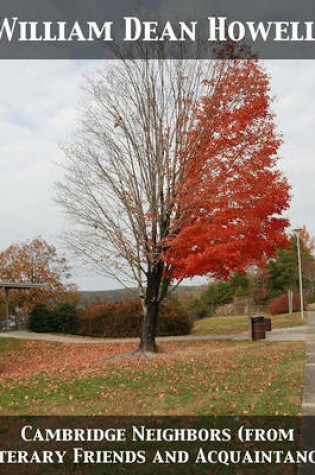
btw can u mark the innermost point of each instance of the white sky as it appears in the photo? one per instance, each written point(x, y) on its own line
point(38, 104)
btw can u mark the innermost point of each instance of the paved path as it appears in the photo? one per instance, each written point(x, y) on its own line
point(26, 335)
point(285, 334)
point(309, 391)
point(298, 333)
point(308, 403)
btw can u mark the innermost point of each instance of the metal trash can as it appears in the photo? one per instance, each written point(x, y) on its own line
point(258, 328)
point(268, 324)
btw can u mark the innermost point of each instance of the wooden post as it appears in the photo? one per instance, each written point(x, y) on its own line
point(7, 307)
point(250, 329)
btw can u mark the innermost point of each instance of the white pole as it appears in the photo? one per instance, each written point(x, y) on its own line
point(290, 303)
point(300, 271)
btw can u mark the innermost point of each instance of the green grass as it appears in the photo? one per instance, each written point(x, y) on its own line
point(239, 324)
point(205, 378)
point(9, 344)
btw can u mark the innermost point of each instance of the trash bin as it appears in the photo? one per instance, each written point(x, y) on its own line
point(268, 324)
point(258, 328)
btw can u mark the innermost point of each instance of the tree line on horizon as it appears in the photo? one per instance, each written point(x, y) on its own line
point(37, 261)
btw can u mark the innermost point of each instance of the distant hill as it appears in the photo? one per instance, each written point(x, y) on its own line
point(184, 292)
point(108, 295)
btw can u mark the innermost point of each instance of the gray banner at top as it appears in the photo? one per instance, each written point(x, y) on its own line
point(102, 29)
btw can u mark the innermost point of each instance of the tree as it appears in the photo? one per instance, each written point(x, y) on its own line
point(219, 293)
point(36, 262)
point(173, 174)
point(259, 285)
point(283, 268)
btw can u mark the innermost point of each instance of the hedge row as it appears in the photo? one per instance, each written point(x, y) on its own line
point(108, 320)
point(281, 304)
point(124, 319)
point(62, 318)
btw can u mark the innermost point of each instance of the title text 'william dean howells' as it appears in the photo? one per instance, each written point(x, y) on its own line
point(219, 29)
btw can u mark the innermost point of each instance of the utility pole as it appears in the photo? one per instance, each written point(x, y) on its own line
point(290, 301)
point(297, 233)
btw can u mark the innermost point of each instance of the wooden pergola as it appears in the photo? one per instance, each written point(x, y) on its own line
point(7, 286)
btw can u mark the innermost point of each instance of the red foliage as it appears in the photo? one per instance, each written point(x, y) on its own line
point(230, 204)
point(281, 305)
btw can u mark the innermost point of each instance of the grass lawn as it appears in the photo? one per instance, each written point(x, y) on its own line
point(239, 324)
point(192, 377)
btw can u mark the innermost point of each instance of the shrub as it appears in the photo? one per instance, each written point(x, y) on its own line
point(174, 320)
point(40, 319)
point(124, 319)
point(65, 318)
point(281, 305)
point(198, 308)
point(62, 318)
point(173, 298)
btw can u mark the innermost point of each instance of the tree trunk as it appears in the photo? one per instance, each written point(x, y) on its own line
point(148, 334)
point(151, 310)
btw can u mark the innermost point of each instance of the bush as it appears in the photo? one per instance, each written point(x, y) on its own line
point(281, 305)
point(65, 318)
point(173, 298)
point(124, 319)
point(62, 318)
point(40, 319)
point(174, 320)
point(198, 308)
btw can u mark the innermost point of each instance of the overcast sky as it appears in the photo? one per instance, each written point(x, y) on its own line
point(38, 107)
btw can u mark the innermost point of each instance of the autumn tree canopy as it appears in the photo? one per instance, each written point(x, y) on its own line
point(173, 173)
point(232, 197)
point(36, 262)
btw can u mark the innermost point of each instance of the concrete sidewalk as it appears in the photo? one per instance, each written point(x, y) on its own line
point(298, 333)
point(27, 335)
point(308, 403)
point(284, 334)
point(309, 390)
